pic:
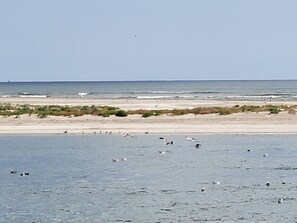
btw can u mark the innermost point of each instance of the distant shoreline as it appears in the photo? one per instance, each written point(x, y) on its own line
point(163, 80)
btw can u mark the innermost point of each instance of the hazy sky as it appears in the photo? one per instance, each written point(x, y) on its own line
point(148, 39)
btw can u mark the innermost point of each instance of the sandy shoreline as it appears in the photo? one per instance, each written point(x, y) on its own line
point(137, 103)
point(241, 123)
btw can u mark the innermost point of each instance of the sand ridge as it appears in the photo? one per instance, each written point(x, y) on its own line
point(240, 123)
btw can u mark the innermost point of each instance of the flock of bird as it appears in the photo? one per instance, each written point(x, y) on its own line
point(21, 174)
point(197, 145)
point(166, 143)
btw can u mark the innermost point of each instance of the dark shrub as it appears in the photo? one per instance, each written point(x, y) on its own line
point(121, 113)
point(148, 114)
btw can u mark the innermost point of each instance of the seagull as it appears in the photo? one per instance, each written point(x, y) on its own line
point(284, 182)
point(249, 150)
point(24, 174)
point(168, 142)
point(267, 184)
point(81, 95)
point(216, 182)
point(198, 145)
point(161, 152)
point(280, 200)
point(115, 160)
point(128, 135)
point(13, 171)
point(203, 189)
point(192, 139)
point(265, 155)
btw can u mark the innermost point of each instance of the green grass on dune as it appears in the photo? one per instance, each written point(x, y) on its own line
point(43, 111)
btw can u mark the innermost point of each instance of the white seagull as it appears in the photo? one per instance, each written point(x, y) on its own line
point(192, 139)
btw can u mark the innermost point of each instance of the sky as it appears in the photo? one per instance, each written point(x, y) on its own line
point(98, 40)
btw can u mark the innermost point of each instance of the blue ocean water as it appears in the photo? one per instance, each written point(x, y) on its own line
point(73, 179)
point(219, 90)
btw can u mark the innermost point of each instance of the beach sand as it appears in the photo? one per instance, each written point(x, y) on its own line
point(241, 123)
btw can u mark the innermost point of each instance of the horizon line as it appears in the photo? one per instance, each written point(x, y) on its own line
point(162, 80)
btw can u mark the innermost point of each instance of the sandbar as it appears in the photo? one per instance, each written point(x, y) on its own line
point(239, 123)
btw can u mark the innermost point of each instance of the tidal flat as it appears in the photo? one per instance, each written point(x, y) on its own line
point(138, 178)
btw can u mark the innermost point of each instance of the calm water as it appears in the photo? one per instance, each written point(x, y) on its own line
point(73, 179)
point(230, 90)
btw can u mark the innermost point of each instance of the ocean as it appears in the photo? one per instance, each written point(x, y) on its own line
point(73, 178)
point(285, 90)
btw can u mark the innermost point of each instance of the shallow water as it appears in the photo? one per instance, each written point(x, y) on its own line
point(73, 179)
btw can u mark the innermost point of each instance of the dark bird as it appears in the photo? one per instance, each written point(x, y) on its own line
point(166, 142)
point(24, 174)
point(284, 182)
point(13, 171)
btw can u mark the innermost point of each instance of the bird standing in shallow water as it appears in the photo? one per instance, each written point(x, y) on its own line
point(13, 171)
point(24, 174)
point(284, 182)
point(216, 182)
